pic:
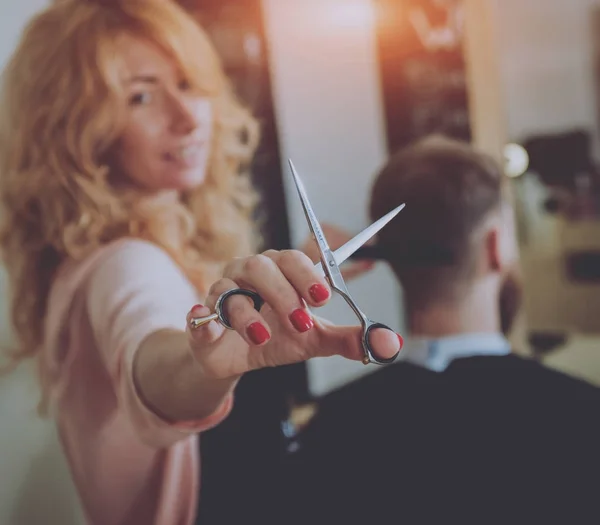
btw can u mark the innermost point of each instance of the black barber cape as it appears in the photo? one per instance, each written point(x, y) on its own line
point(480, 439)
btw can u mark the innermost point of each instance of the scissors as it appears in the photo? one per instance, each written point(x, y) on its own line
point(329, 267)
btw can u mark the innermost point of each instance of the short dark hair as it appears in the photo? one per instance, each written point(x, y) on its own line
point(449, 189)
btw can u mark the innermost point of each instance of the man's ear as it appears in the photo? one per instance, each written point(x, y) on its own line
point(493, 249)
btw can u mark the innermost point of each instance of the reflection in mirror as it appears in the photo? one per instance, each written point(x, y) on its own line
point(551, 84)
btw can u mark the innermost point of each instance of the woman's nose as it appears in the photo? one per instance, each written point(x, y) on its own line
point(184, 117)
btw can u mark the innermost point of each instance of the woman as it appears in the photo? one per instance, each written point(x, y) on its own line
point(122, 175)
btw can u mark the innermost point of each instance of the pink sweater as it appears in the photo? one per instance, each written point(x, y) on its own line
point(129, 466)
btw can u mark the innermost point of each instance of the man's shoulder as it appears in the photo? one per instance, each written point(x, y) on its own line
point(388, 380)
point(398, 400)
point(395, 390)
point(516, 372)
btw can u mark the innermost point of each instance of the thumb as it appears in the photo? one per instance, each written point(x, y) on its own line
point(346, 341)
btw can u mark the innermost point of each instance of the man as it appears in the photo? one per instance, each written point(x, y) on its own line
point(461, 430)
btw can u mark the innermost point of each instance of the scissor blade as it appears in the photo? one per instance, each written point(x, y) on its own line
point(345, 251)
point(313, 223)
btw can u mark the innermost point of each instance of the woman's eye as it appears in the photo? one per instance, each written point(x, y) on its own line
point(140, 98)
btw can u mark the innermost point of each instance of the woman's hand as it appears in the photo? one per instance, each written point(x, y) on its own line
point(284, 331)
point(337, 237)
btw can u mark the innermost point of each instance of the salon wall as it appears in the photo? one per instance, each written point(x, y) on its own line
point(13, 15)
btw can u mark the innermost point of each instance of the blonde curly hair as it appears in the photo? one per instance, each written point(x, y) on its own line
point(59, 116)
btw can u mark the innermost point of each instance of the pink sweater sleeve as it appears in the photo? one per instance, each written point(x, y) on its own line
point(136, 291)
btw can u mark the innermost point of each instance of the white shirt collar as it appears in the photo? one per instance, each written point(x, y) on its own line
point(437, 354)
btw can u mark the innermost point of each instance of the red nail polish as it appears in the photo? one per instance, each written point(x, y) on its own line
point(257, 333)
point(301, 320)
point(401, 339)
point(318, 292)
point(195, 308)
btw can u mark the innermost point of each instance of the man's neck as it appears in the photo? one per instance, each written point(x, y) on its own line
point(476, 312)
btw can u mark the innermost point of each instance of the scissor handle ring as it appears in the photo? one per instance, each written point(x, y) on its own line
point(219, 306)
point(370, 356)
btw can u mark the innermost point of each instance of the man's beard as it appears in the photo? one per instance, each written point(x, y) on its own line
point(511, 294)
